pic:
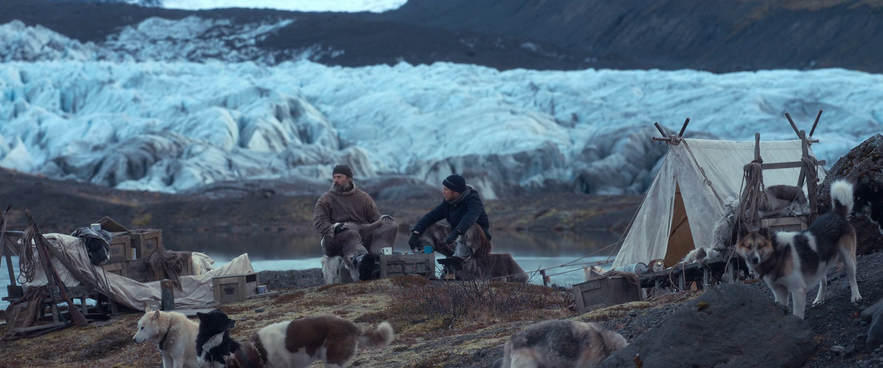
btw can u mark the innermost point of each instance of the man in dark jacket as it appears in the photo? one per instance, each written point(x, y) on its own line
point(468, 235)
point(351, 227)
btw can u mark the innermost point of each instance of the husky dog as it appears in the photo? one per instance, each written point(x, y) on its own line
point(791, 261)
point(299, 343)
point(700, 254)
point(213, 341)
point(496, 267)
point(869, 203)
point(173, 333)
point(560, 344)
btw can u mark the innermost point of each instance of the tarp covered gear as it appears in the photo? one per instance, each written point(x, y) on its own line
point(194, 291)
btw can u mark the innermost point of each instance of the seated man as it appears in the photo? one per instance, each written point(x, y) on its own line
point(351, 226)
point(464, 212)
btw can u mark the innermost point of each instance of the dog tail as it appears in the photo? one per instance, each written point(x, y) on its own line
point(379, 338)
point(841, 197)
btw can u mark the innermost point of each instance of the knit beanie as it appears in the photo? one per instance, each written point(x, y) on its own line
point(343, 169)
point(455, 183)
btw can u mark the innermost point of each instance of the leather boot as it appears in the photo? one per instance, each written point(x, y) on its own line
point(365, 264)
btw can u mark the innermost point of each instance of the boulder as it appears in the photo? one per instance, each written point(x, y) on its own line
point(731, 325)
point(875, 332)
point(862, 163)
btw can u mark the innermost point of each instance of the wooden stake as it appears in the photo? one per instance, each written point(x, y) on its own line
point(813, 130)
point(52, 273)
point(168, 295)
point(683, 128)
point(659, 128)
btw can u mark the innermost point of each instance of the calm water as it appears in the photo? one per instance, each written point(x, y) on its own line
point(280, 251)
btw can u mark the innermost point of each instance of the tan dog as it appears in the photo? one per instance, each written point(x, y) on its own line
point(496, 267)
point(792, 261)
point(561, 344)
point(299, 343)
point(173, 333)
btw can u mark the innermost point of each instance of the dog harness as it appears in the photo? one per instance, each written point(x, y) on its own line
point(164, 337)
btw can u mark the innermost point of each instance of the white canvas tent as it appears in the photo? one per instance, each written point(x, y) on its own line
point(681, 207)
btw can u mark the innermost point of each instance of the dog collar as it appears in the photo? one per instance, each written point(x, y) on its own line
point(164, 337)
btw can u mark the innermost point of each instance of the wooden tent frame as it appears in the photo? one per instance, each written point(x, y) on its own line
point(808, 166)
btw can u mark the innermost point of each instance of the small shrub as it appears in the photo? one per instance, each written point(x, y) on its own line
point(289, 297)
point(142, 220)
point(477, 300)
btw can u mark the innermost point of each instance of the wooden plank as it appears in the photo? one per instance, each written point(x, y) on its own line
point(269, 293)
point(787, 165)
point(40, 327)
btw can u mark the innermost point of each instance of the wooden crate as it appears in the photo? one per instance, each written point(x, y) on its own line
point(234, 288)
point(407, 264)
point(603, 292)
point(145, 242)
point(119, 249)
point(137, 270)
point(118, 268)
point(785, 223)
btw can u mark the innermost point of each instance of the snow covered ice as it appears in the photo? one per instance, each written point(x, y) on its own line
point(153, 116)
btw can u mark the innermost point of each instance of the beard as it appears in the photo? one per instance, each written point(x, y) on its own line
point(341, 188)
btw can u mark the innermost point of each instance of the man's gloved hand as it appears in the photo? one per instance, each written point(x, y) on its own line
point(413, 242)
point(338, 227)
point(451, 238)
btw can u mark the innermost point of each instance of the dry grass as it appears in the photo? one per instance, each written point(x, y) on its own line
point(437, 323)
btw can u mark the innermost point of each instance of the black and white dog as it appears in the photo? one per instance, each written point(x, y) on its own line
point(792, 262)
point(868, 202)
point(213, 342)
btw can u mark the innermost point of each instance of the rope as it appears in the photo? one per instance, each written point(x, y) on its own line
point(810, 164)
point(754, 195)
point(705, 179)
point(26, 262)
point(568, 264)
point(631, 277)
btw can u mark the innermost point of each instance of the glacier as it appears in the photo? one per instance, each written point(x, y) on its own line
point(151, 110)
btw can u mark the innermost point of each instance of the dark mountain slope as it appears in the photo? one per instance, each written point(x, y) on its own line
point(713, 35)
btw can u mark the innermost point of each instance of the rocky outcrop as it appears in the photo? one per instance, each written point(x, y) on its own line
point(862, 163)
point(731, 325)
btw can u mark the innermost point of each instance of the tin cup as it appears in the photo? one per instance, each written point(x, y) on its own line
point(96, 227)
point(427, 250)
point(386, 250)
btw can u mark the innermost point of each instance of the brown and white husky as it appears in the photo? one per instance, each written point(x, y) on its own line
point(299, 343)
point(793, 261)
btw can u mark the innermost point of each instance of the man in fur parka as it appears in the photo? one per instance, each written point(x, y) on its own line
point(351, 226)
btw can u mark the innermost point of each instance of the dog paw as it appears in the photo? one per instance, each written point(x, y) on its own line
point(856, 299)
point(818, 302)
